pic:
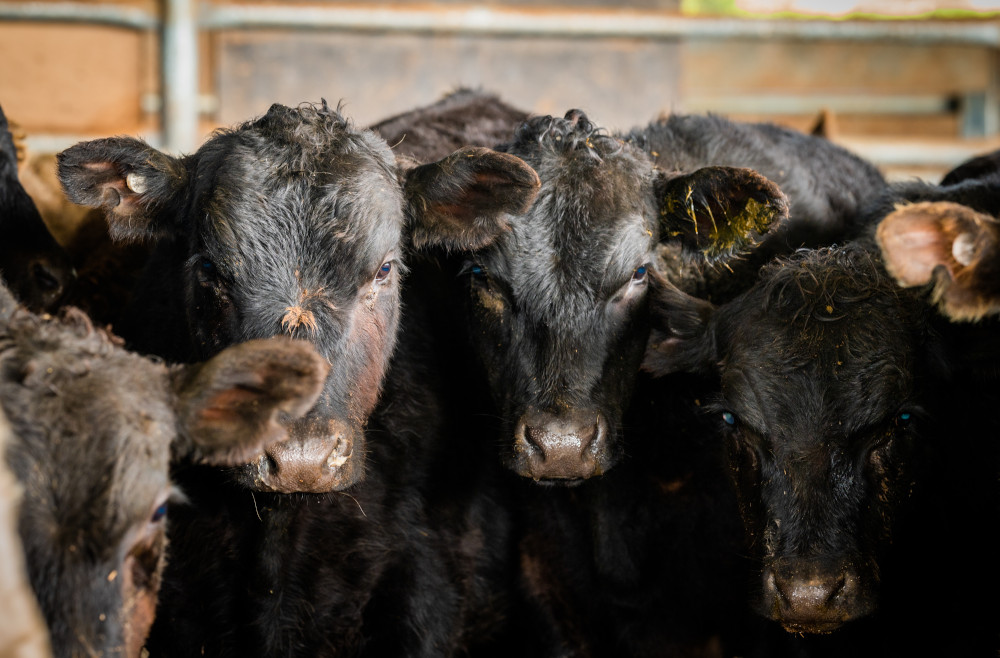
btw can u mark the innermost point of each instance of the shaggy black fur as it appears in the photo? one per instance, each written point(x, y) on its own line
point(466, 117)
point(297, 223)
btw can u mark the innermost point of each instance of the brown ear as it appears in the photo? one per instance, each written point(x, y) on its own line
point(130, 180)
point(950, 245)
point(463, 201)
point(230, 407)
point(719, 211)
point(680, 339)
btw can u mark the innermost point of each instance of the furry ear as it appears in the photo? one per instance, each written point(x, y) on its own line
point(680, 339)
point(233, 405)
point(949, 245)
point(719, 211)
point(463, 201)
point(130, 180)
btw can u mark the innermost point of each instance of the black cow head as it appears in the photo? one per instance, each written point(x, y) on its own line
point(950, 246)
point(94, 429)
point(824, 370)
point(32, 263)
point(294, 224)
point(559, 303)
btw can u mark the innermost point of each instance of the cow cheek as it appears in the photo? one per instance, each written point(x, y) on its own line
point(142, 570)
point(375, 337)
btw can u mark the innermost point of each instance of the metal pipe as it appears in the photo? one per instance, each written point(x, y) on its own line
point(79, 12)
point(812, 103)
point(180, 76)
point(503, 21)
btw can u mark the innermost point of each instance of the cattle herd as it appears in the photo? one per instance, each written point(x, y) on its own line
point(477, 382)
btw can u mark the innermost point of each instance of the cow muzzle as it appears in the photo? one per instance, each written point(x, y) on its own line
point(806, 597)
point(317, 458)
point(569, 446)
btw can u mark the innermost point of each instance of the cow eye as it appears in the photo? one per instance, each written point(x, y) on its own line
point(159, 513)
point(206, 271)
point(640, 274)
point(477, 271)
point(383, 272)
point(728, 418)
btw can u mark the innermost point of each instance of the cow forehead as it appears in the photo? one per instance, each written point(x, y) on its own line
point(583, 237)
point(821, 380)
point(324, 219)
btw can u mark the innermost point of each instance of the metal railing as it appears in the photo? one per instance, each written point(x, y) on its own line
point(183, 19)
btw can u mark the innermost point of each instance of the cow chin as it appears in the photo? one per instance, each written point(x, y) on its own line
point(308, 462)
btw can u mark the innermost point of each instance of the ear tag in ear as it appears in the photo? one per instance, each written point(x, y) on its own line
point(136, 182)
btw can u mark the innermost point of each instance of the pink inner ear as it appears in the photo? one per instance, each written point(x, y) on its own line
point(912, 246)
point(222, 406)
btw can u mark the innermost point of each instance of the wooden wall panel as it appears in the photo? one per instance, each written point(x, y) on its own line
point(620, 82)
point(76, 79)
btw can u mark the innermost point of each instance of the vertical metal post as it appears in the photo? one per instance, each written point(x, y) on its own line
point(991, 112)
point(180, 76)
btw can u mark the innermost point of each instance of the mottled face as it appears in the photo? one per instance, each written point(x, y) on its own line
point(559, 303)
point(93, 431)
point(820, 406)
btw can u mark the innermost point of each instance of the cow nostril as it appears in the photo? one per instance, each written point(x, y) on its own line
point(836, 588)
point(774, 584)
point(536, 438)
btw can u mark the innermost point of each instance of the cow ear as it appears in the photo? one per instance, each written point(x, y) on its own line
point(721, 212)
point(233, 405)
point(463, 201)
point(681, 338)
point(950, 246)
point(131, 181)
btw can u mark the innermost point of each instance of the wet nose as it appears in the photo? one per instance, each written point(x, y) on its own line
point(813, 600)
point(564, 446)
point(314, 463)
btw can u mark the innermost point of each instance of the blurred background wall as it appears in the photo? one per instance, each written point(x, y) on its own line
point(912, 84)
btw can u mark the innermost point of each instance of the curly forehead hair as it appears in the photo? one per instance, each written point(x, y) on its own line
point(71, 332)
point(574, 132)
point(814, 281)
